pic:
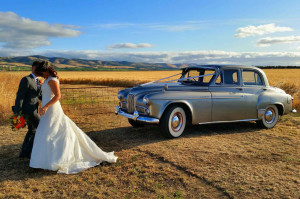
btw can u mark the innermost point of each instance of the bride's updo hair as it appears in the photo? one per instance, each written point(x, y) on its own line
point(46, 66)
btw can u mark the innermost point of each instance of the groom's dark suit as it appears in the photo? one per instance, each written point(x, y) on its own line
point(27, 101)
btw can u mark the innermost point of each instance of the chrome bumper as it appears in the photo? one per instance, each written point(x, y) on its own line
point(135, 116)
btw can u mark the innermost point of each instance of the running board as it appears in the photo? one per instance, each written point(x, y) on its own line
point(247, 120)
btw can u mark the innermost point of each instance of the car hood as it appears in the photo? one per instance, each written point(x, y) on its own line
point(157, 87)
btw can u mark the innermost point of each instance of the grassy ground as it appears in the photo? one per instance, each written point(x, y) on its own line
point(237, 160)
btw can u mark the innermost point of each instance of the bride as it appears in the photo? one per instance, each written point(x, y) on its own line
point(59, 145)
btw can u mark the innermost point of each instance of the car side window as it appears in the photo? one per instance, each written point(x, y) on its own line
point(228, 77)
point(251, 78)
point(219, 79)
point(193, 73)
point(207, 79)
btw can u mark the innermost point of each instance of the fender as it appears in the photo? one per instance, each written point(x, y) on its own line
point(268, 98)
point(197, 101)
point(169, 103)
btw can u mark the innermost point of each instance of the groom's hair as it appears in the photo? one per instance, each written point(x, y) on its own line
point(46, 66)
point(36, 63)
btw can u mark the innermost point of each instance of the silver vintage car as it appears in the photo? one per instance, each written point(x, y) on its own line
point(205, 94)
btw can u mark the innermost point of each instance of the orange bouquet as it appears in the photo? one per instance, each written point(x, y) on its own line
point(18, 121)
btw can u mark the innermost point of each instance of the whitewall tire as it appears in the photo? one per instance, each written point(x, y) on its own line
point(173, 122)
point(270, 117)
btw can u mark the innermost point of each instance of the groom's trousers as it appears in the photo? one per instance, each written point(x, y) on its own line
point(29, 138)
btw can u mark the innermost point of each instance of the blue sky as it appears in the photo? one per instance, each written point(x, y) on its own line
point(183, 31)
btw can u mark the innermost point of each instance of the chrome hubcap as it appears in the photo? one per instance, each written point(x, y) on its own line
point(176, 122)
point(270, 115)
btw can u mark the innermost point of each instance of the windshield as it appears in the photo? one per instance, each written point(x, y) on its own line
point(201, 76)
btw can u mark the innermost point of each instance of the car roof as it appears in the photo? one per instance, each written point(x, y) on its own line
point(220, 66)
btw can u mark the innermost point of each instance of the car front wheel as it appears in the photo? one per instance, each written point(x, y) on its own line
point(270, 117)
point(173, 122)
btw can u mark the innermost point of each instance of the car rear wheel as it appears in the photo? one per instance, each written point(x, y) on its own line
point(135, 124)
point(270, 117)
point(173, 122)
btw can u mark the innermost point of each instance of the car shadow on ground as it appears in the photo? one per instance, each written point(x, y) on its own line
point(14, 168)
point(119, 139)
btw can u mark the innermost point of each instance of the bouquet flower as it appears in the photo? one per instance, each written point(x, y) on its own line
point(41, 82)
point(18, 121)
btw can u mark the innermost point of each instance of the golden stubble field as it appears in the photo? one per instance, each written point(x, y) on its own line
point(287, 79)
point(237, 160)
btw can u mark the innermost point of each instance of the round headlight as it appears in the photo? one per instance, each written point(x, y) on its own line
point(146, 100)
point(119, 96)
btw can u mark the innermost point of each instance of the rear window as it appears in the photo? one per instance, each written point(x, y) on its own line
point(252, 78)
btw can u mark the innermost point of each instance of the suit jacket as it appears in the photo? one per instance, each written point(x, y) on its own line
point(28, 97)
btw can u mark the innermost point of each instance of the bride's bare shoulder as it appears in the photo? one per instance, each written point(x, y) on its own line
point(53, 79)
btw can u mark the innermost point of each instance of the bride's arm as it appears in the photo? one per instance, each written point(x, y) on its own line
point(56, 91)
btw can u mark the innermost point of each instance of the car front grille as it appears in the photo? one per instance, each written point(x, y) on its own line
point(130, 103)
point(123, 105)
point(142, 110)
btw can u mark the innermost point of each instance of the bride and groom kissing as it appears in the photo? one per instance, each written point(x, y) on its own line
point(53, 141)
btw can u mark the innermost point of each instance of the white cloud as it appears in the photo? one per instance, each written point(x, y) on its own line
point(198, 57)
point(115, 25)
point(129, 46)
point(109, 56)
point(19, 32)
point(267, 41)
point(179, 27)
point(245, 58)
point(175, 28)
point(260, 30)
point(14, 53)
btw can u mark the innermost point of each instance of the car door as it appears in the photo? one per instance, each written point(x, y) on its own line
point(228, 101)
point(253, 86)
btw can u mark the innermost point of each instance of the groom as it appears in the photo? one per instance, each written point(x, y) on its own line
point(27, 101)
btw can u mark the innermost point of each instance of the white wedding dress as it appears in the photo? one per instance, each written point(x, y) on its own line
point(59, 145)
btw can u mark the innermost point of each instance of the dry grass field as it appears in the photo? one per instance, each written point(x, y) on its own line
point(237, 160)
point(287, 79)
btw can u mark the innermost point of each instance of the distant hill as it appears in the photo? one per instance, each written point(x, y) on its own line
point(24, 63)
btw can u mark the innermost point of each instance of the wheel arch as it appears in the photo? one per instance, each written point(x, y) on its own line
point(280, 108)
point(278, 105)
point(267, 99)
point(186, 107)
